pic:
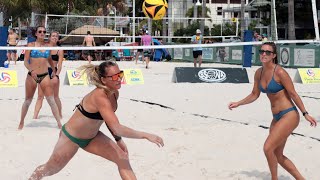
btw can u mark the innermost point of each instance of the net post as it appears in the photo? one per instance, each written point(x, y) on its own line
point(3, 42)
point(247, 49)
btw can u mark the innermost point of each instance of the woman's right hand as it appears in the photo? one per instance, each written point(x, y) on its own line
point(233, 105)
point(155, 139)
point(34, 75)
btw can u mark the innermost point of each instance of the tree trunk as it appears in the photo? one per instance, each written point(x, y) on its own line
point(291, 24)
point(243, 23)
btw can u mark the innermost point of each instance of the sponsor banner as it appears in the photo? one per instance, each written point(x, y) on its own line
point(284, 56)
point(309, 75)
point(210, 75)
point(75, 78)
point(222, 54)
point(236, 55)
point(304, 57)
point(178, 53)
point(133, 77)
point(8, 78)
point(207, 53)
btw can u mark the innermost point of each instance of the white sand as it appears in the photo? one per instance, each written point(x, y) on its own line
point(196, 148)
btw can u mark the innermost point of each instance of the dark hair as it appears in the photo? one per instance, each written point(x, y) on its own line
point(88, 32)
point(274, 49)
point(34, 31)
point(96, 72)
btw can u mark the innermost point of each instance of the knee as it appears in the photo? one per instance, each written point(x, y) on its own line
point(56, 98)
point(27, 102)
point(268, 149)
point(51, 100)
point(54, 165)
point(122, 159)
point(40, 98)
point(280, 157)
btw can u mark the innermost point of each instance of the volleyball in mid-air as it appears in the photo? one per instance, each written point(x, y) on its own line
point(155, 9)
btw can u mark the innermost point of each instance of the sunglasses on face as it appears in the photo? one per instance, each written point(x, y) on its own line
point(115, 77)
point(268, 53)
point(42, 32)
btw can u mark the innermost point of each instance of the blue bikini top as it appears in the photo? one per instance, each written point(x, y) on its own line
point(273, 87)
point(39, 54)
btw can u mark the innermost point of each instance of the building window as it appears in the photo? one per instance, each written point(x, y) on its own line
point(235, 14)
point(219, 11)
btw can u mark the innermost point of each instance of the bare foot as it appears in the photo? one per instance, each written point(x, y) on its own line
point(59, 125)
point(20, 126)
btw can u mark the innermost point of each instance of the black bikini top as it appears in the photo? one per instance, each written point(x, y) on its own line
point(95, 116)
point(55, 57)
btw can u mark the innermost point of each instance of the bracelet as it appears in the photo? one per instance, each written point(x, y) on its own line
point(305, 113)
point(117, 138)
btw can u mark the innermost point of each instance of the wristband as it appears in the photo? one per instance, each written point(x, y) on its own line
point(117, 138)
point(305, 113)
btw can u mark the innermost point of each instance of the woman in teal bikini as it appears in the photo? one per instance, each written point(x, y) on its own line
point(82, 129)
point(57, 58)
point(38, 74)
point(273, 80)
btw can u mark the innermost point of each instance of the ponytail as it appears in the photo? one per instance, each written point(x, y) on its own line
point(96, 72)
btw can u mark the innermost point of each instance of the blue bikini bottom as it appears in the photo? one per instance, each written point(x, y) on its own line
point(278, 116)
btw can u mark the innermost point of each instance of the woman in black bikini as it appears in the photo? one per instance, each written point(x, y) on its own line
point(82, 129)
point(38, 74)
point(57, 58)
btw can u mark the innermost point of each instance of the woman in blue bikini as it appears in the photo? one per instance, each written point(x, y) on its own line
point(38, 74)
point(82, 129)
point(277, 84)
point(57, 58)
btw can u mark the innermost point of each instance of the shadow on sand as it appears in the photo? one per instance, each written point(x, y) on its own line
point(37, 123)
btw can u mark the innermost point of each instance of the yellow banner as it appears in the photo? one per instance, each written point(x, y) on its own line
point(309, 75)
point(75, 77)
point(133, 76)
point(8, 78)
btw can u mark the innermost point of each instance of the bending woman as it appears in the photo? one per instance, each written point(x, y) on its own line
point(38, 74)
point(273, 80)
point(82, 129)
point(57, 58)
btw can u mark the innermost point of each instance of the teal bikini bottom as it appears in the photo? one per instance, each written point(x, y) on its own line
point(81, 142)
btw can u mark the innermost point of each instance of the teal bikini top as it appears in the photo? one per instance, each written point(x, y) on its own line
point(39, 54)
point(273, 87)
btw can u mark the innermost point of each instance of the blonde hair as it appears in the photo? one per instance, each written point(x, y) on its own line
point(96, 72)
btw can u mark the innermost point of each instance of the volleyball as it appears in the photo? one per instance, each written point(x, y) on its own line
point(155, 9)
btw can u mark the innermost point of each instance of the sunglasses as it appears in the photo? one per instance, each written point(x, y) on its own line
point(115, 77)
point(42, 32)
point(268, 53)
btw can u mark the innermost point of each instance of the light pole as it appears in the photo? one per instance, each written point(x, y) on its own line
point(203, 14)
point(195, 10)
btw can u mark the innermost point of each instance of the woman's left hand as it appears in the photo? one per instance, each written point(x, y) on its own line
point(123, 146)
point(312, 121)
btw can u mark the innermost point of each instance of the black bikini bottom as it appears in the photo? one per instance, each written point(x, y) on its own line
point(40, 77)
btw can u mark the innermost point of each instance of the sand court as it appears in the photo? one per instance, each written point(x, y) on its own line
point(203, 139)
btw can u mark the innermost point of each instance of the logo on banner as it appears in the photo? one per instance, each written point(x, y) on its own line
point(76, 75)
point(8, 79)
point(212, 75)
point(310, 72)
point(5, 77)
point(133, 77)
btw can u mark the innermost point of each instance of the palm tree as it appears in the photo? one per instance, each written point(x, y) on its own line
point(291, 23)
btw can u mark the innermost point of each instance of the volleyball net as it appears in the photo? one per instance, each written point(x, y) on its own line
point(297, 53)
